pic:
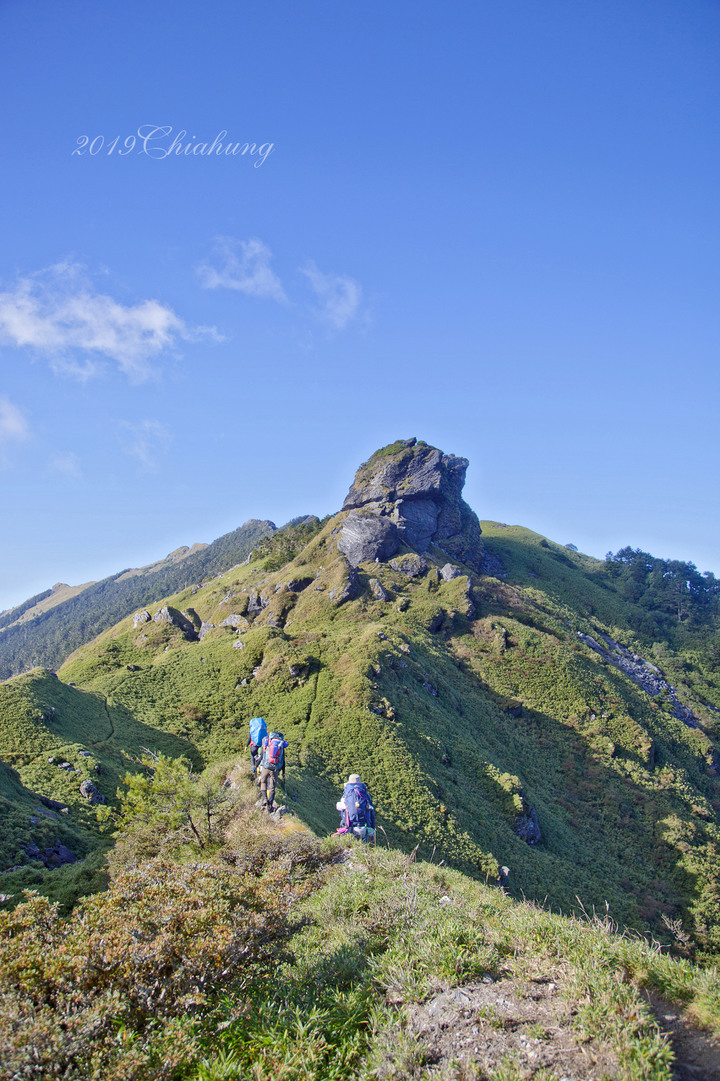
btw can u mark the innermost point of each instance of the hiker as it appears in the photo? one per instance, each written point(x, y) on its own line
point(272, 764)
point(357, 814)
point(258, 731)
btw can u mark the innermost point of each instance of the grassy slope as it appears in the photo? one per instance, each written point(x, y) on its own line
point(368, 990)
point(625, 796)
point(391, 968)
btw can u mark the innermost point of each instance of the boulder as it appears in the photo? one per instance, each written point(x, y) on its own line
point(90, 792)
point(411, 565)
point(53, 856)
point(348, 589)
point(194, 618)
point(448, 572)
point(366, 537)
point(378, 590)
point(57, 855)
point(231, 621)
point(256, 602)
point(177, 619)
point(140, 617)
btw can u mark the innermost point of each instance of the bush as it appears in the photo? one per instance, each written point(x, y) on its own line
point(121, 986)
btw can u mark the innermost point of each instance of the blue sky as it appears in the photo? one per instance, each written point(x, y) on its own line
point(491, 226)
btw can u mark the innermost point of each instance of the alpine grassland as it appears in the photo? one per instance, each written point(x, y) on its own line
point(522, 715)
point(231, 945)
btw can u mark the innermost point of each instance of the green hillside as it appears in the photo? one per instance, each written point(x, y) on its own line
point(485, 703)
point(239, 946)
point(46, 628)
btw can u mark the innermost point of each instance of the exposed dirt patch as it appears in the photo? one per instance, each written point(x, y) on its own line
point(528, 1023)
point(697, 1055)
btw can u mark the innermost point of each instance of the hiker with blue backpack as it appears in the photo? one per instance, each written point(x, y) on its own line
point(272, 764)
point(357, 814)
point(258, 731)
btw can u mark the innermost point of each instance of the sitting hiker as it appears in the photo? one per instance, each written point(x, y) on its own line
point(272, 763)
point(359, 811)
point(258, 731)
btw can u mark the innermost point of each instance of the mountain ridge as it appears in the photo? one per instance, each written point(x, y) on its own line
point(40, 633)
point(486, 725)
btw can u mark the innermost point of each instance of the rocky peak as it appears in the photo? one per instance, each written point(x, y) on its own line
point(407, 470)
point(409, 493)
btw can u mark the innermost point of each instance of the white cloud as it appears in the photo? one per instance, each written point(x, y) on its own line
point(13, 426)
point(59, 313)
point(145, 441)
point(68, 464)
point(338, 296)
point(245, 266)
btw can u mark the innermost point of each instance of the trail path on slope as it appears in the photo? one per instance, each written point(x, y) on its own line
point(530, 1022)
point(697, 1055)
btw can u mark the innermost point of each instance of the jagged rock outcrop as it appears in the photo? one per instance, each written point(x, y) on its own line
point(527, 826)
point(297, 585)
point(194, 618)
point(51, 804)
point(177, 619)
point(140, 617)
point(256, 602)
point(90, 792)
point(642, 672)
point(378, 590)
point(417, 490)
point(53, 856)
point(348, 589)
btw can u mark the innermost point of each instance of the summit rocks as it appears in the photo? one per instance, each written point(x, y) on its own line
point(410, 493)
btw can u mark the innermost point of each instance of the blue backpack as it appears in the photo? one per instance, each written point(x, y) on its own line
point(360, 811)
point(258, 730)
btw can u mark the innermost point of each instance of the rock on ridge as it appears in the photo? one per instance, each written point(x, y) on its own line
point(410, 493)
point(177, 619)
point(365, 537)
